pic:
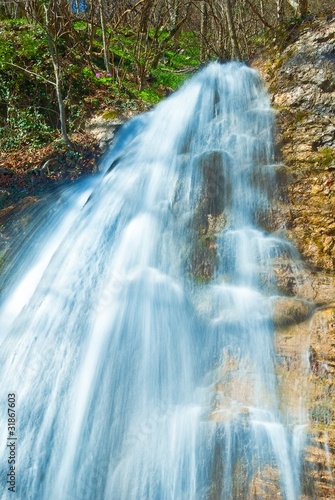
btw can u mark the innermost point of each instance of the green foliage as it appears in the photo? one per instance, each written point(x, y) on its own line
point(259, 40)
point(25, 127)
point(80, 25)
point(190, 47)
point(88, 73)
point(15, 22)
point(149, 95)
point(6, 50)
point(28, 104)
point(167, 78)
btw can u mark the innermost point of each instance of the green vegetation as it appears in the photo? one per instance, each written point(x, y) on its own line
point(326, 157)
point(28, 102)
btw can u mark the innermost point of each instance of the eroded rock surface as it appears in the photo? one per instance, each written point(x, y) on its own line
point(301, 80)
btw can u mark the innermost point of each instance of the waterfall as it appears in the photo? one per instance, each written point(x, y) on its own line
point(137, 331)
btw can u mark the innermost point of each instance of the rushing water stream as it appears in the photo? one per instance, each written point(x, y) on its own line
point(136, 326)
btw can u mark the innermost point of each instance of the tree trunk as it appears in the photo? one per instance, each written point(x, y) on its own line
point(91, 30)
point(300, 7)
point(280, 11)
point(236, 54)
point(258, 14)
point(33, 10)
point(104, 37)
point(54, 59)
point(303, 7)
point(203, 31)
point(262, 7)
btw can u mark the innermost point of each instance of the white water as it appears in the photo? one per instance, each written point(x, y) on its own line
point(133, 380)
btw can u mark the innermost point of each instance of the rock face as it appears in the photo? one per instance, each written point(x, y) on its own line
point(103, 128)
point(301, 80)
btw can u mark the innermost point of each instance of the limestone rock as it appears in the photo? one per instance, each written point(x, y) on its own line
point(302, 84)
point(289, 310)
point(103, 128)
point(301, 80)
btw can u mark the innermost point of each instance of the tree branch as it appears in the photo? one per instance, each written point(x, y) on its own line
point(258, 14)
point(30, 72)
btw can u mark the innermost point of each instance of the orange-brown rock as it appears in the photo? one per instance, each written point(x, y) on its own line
point(301, 80)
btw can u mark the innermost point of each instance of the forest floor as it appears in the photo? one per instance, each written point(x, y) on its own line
point(27, 173)
point(34, 171)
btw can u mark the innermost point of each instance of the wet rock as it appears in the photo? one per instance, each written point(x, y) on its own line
point(302, 83)
point(288, 310)
point(3, 195)
point(217, 189)
point(311, 286)
point(266, 484)
point(305, 370)
point(321, 404)
point(6, 171)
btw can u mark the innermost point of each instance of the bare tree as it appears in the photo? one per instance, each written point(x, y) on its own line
point(105, 38)
point(50, 26)
point(203, 30)
point(299, 6)
point(280, 10)
point(10, 9)
point(236, 54)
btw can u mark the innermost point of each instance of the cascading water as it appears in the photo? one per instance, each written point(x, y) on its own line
point(137, 331)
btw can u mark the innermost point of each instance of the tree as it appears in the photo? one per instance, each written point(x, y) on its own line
point(280, 10)
point(51, 24)
point(203, 30)
point(300, 7)
point(236, 53)
point(105, 40)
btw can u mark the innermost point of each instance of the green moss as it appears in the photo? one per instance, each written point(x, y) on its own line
point(325, 156)
point(300, 116)
point(109, 115)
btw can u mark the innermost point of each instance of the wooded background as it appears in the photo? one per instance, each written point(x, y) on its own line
point(56, 52)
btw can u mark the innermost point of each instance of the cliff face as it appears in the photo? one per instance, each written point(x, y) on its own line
point(301, 80)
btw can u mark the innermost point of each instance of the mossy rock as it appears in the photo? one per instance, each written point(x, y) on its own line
point(109, 115)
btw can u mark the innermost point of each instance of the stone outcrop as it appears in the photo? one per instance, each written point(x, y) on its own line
point(302, 83)
point(301, 80)
point(104, 127)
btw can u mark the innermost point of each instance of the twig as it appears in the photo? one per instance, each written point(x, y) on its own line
point(30, 72)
